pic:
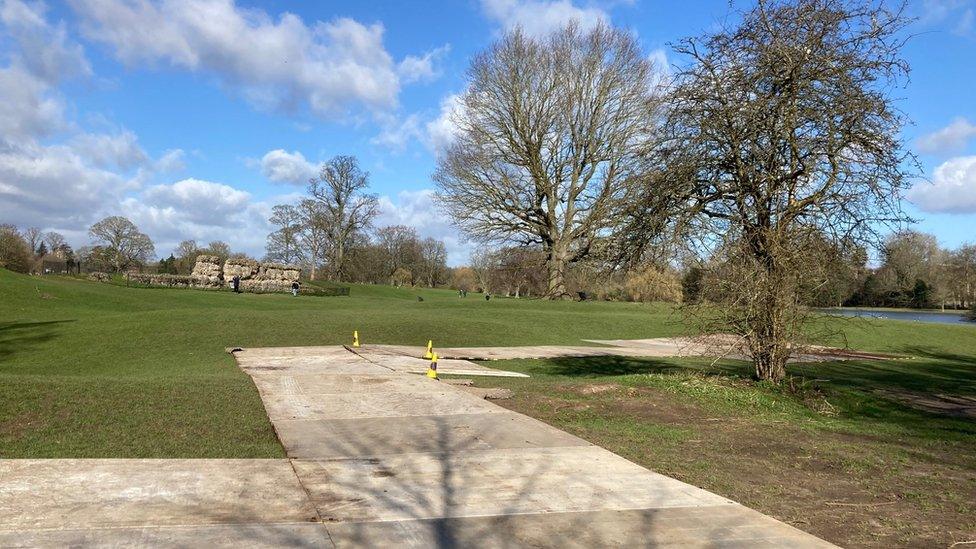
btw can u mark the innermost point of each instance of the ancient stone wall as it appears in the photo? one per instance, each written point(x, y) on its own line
point(162, 279)
point(207, 271)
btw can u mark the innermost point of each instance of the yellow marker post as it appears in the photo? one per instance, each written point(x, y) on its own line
point(432, 371)
point(355, 338)
point(430, 349)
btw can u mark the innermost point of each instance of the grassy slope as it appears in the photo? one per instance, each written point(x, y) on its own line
point(96, 370)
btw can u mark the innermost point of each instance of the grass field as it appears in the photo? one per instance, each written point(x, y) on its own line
point(97, 370)
point(852, 451)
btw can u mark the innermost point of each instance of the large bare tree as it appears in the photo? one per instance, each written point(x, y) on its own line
point(548, 136)
point(341, 189)
point(313, 234)
point(781, 131)
point(284, 243)
point(122, 241)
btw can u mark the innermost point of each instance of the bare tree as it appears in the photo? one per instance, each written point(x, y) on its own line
point(432, 265)
point(218, 248)
point(484, 263)
point(283, 244)
point(401, 250)
point(340, 188)
point(779, 129)
point(186, 256)
point(55, 241)
point(549, 137)
point(124, 245)
point(313, 235)
point(518, 269)
point(33, 236)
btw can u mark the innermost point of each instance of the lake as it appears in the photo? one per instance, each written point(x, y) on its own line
point(914, 316)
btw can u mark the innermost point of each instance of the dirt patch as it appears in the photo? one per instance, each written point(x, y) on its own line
point(489, 393)
point(598, 388)
point(16, 426)
point(950, 405)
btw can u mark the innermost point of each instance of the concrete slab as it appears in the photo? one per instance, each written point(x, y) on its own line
point(489, 482)
point(693, 527)
point(100, 493)
point(230, 536)
point(414, 365)
point(331, 384)
point(386, 404)
point(456, 433)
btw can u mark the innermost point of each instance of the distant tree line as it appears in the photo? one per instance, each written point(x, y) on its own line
point(30, 250)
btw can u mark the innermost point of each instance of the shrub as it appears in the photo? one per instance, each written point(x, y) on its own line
point(15, 254)
point(653, 285)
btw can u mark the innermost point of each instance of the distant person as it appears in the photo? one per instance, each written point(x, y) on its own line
point(464, 293)
point(460, 293)
point(236, 281)
point(295, 286)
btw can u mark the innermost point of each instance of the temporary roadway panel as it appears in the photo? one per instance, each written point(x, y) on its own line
point(378, 457)
point(391, 458)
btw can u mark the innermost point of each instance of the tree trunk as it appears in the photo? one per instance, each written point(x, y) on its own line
point(556, 266)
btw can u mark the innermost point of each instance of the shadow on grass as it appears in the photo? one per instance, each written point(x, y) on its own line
point(22, 337)
point(857, 389)
point(601, 366)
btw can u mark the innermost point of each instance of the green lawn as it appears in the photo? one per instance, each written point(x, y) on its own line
point(98, 370)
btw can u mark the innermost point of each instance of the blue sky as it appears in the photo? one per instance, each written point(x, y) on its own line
point(194, 117)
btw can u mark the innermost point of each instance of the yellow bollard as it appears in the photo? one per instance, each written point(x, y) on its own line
point(430, 349)
point(432, 371)
point(355, 338)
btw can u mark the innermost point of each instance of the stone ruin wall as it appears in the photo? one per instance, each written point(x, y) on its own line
point(255, 276)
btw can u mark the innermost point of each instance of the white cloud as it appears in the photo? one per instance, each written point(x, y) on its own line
point(43, 49)
point(959, 13)
point(541, 17)
point(42, 57)
point(282, 64)
point(281, 166)
point(952, 138)
point(442, 131)
point(417, 209)
point(172, 161)
point(55, 176)
point(414, 68)
point(395, 134)
point(243, 225)
point(120, 150)
point(28, 107)
point(200, 201)
point(661, 67)
point(435, 133)
point(952, 189)
point(53, 186)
